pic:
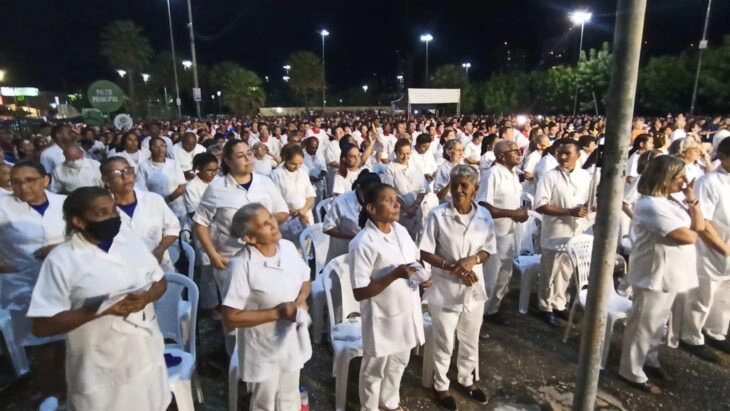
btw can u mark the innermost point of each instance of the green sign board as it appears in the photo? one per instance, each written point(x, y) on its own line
point(105, 96)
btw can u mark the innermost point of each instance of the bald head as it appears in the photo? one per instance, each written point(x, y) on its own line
point(507, 153)
point(73, 152)
point(504, 146)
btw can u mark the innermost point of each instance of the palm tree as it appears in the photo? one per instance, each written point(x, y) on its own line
point(306, 74)
point(242, 89)
point(126, 47)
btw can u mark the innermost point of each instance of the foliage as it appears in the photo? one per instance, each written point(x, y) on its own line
point(305, 74)
point(665, 84)
point(242, 89)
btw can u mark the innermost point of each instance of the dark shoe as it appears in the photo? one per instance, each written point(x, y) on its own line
point(549, 318)
point(721, 345)
point(701, 351)
point(497, 318)
point(658, 372)
point(448, 402)
point(648, 386)
point(563, 314)
point(476, 394)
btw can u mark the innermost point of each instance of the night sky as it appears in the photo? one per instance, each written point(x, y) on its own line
point(54, 44)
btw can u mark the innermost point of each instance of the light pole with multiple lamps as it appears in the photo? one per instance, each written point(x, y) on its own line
point(426, 38)
point(702, 47)
point(178, 102)
point(466, 66)
point(324, 33)
point(579, 17)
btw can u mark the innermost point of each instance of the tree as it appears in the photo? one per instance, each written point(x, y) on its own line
point(242, 89)
point(305, 74)
point(714, 87)
point(593, 75)
point(449, 76)
point(665, 84)
point(126, 47)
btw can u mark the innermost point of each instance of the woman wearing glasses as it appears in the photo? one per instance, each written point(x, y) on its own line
point(147, 213)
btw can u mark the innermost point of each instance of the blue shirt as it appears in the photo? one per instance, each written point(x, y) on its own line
point(105, 245)
point(40, 208)
point(129, 208)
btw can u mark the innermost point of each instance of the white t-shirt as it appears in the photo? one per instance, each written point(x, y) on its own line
point(185, 158)
point(344, 184)
point(563, 189)
point(500, 187)
point(264, 166)
point(163, 179)
point(713, 192)
point(67, 178)
point(51, 157)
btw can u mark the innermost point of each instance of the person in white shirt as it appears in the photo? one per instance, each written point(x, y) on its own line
point(587, 145)
point(453, 156)
point(500, 193)
point(350, 168)
point(317, 166)
point(272, 144)
point(153, 130)
point(184, 151)
point(114, 359)
point(679, 128)
point(642, 143)
point(487, 152)
point(5, 186)
point(706, 317)
point(697, 161)
point(422, 157)
point(409, 182)
point(266, 304)
point(382, 260)
point(458, 239)
point(317, 131)
point(386, 142)
point(538, 144)
point(562, 198)
point(663, 263)
point(473, 150)
point(546, 163)
point(464, 134)
point(292, 179)
point(265, 161)
point(332, 154)
point(131, 151)
point(53, 155)
point(163, 176)
point(77, 171)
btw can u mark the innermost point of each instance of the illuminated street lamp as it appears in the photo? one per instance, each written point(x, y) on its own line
point(122, 73)
point(145, 77)
point(286, 78)
point(324, 33)
point(426, 38)
point(365, 88)
point(2, 75)
point(287, 68)
point(187, 64)
point(579, 17)
point(466, 66)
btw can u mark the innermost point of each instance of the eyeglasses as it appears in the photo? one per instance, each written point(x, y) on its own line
point(129, 171)
point(210, 171)
point(20, 183)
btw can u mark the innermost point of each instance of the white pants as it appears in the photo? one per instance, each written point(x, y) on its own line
point(676, 321)
point(555, 272)
point(643, 332)
point(208, 288)
point(497, 273)
point(465, 325)
point(707, 306)
point(380, 380)
point(278, 393)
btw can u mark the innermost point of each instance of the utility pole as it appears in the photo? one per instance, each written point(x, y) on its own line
point(620, 110)
point(178, 102)
point(195, 61)
point(702, 47)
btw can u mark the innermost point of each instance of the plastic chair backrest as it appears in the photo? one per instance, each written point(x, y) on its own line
point(166, 309)
point(527, 199)
point(430, 201)
point(529, 230)
point(313, 235)
point(579, 249)
point(338, 270)
point(190, 253)
point(322, 208)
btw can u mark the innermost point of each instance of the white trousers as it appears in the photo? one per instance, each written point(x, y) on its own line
point(380, 380)
point(278, 393)
point(643, 332)
point(465, 325)
point(707, 306)
point(555, 272)
point(497, 273)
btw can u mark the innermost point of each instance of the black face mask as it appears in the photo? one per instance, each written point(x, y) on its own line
point(104, 230)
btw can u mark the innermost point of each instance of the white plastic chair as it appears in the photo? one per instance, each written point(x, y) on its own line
point(346, 335)
point(183, 309)
point(427, 367)
point(14, 348)
point(528, 266)
point(313, 239)
point(527, 199)
point(321, 209)
point(182, 376)
point(579, 249)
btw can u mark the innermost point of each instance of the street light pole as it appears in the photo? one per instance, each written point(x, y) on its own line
point(174, 62)
point(195, 61)
point(324, 33)
point(702, 47)
point(579, 17)
point(426, 38)
point(466, 66)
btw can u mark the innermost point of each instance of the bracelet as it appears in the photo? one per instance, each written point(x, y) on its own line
point(479, 260)
point(693, 203)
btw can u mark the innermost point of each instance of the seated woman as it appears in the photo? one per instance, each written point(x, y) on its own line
point(266, 304)
point(114, 359)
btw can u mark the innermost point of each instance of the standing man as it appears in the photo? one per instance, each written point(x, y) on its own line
point(184, 151)
point(52, 156)
point(562, 198)
point(500, 192)
point(707, 313)
point(75, 172)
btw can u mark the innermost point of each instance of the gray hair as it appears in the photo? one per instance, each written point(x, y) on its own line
point(466, 171)
point(241, 223)
point(449, 148)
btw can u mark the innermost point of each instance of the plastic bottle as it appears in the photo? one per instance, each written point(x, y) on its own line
point(304, 399)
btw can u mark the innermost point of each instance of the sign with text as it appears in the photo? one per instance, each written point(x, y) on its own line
point(105, 96)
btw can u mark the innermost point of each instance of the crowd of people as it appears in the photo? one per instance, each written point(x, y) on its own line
point(430, 211)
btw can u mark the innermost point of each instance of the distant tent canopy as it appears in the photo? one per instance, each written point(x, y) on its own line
point(434, 96)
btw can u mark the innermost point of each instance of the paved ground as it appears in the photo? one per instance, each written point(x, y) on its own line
point(524, 366)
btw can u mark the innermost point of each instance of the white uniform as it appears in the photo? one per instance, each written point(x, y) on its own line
point(409, 182)
point(425, 161)
point(273, 144)
point(331, 154)
point(528, 166)
point(146, 144)
point(152, 220)
point(315, 164)
point(563, 189)
point(321, 136)
point(270, 355)
point(659, 270)
point(112, 362)
point(185, 158)
point(442, 178)
point(296, 189)
point(194, 190)
point(264, 166)
point(223, 197)
point(134, 159)
point(486, 160)
point(386, 144)
point(51, 157)
point(500, 187)
point(392, 323)
point(341, 184)
point(163, 179)
point(68, 177)
point(545, 164)
point(713, 268)
point(456, 309)
point(473, 152)
point(343, 214)
point(23, 230)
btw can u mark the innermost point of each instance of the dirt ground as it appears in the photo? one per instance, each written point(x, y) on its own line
point(522, 367)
